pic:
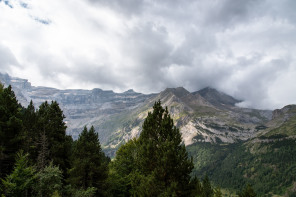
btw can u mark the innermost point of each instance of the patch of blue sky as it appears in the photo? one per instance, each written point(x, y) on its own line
point(7, 3)
point(43, 21)
point(24, 5)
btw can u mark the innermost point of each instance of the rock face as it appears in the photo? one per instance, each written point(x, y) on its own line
point(81, 107)
point(203, 116)
point(217, 98)
point(211, 116)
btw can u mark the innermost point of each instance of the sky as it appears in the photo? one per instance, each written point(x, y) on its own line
point(245, 48)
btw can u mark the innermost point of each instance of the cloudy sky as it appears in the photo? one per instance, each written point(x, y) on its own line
point(246, 48)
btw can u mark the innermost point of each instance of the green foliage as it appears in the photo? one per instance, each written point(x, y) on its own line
point(10, 129)
point(156, 164)
point(50, 120)
point(42, 133)
point(196, 187)
point(90, 165)
point(207, 190)
point(122, 169)
point(286, 129)
point(56, 194)
point(20, 181)
point(48, 181)
point(269, 167)
point(217, 192)
point(88, 192)
point(161, 153)
point(247, 192)
point(144, 184)
point(45, 138)
point(31, 132)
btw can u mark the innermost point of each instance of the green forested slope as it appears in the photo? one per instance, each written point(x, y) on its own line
point(270, 167)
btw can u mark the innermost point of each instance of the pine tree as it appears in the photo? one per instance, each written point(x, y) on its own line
point(20, 181)
point(10, 129)
point(161, 166)
point(31, 132)
point(90, 166)
point(122, 168)
point(50, 120)
point(48, 181)
point(162, 153)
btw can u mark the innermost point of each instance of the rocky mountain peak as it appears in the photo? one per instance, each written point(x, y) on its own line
point(14, 81)
point(130, 92)
point(179, 91)
point(216, 97)
point(286, 112)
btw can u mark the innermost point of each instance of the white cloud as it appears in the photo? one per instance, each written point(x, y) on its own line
point(244, 47)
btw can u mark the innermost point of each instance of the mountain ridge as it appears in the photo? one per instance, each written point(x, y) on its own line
point(207, 115)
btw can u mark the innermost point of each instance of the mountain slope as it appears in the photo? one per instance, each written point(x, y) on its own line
point(118, 116)
point(217, 98)
point(205, 116)
point(267, 161)
point(81, 107)
point(198, 119)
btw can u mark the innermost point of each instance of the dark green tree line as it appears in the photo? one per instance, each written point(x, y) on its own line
point(10, 129)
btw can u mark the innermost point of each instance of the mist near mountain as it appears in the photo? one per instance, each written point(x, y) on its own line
point(206, 115)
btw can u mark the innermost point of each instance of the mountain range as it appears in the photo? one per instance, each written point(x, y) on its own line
point(233, 145)
point(206, 115)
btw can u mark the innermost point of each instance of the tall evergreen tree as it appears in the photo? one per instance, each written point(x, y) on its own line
point(161, 166)
point(20, 181)
point(50, 120)
point(122, 167)
point(31, 132)
point(48, 181)
point(162, 153)
point(10, 129)
point(90, 166)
